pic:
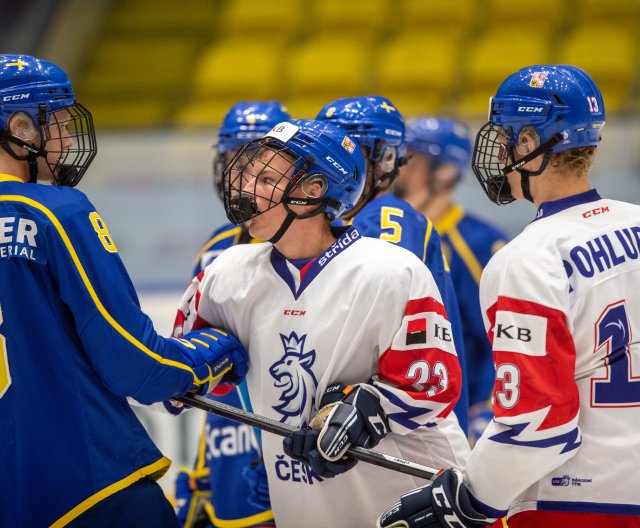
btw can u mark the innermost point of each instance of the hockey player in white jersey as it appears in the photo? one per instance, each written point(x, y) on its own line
point(329, 315)
point(561, 304)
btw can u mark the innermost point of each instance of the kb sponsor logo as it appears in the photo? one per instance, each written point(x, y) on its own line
point(513, 332)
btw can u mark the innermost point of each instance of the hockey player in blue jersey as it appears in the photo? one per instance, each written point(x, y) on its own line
point(439, 154)
point(560, 304)
point(229, 482)
point(74, 343)
point(379, 128)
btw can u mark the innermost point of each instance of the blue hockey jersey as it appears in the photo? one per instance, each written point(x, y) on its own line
point(391, 218)
point(469, 243)
point(73, 346)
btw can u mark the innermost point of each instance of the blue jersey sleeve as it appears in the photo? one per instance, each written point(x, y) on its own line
point(128, 355)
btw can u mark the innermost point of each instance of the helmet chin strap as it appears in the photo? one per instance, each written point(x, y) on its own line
point(292, 215)
point(31, 158)
point(544, 149)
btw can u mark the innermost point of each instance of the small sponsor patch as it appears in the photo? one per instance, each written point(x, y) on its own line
point(520, 333)
point(538, 79)
point(349, 145)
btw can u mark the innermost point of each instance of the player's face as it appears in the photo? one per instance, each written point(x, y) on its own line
point(266, 177)
point(513, 177)
point(58, 143)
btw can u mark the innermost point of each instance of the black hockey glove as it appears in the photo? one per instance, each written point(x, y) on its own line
point(302, 445)
point(348, 416)
point(444, 503)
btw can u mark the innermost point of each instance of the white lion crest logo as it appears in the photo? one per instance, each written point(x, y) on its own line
point(295, 378)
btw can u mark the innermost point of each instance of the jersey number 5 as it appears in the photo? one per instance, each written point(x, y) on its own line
point(5, 375)
point(619, 388)
point(386, 222)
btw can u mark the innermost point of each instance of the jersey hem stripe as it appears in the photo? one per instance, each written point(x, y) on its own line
point(257, 518)
point(155, 471)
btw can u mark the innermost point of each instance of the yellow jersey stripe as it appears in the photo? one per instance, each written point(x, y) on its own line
point(235, 232)
point(155, 471)
point(238, 523)
point(92, 293)
point(449, 226)
point(427, 237)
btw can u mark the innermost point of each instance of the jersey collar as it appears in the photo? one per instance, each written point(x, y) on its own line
point(9, 177)
point(299, 279)
point(555, 206)
point(450, 219)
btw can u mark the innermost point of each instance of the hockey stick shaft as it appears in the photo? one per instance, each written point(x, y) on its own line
point(272, 426)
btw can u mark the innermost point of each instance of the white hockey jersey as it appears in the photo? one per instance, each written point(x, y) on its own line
point(562, 310)
point(364, 311)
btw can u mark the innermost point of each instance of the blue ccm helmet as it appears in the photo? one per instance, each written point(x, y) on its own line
point(561, 102)
point(446, 141)
point(321, 153)
point(375, 123)
point(37, 89)
point(245, 120)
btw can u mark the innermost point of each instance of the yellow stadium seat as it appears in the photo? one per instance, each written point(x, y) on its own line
point(608, 54)
point(204, 112)
point(156, 67)
point(279, 20)
point(491, 59)
point(364, 19)
point(130, 113)
point(539, 19)
point(323, 69)
point(417, 71)
point(143, 17)
point(238, 67)
point(621, 12)
point(453, 17)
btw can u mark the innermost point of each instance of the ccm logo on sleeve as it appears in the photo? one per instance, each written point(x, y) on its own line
point(520, 333)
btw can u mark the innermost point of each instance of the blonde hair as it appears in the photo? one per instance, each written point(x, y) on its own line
point(576, 161)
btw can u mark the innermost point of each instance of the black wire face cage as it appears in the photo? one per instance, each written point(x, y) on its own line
point(490, 157)
point(260, 177)
point(73, 162)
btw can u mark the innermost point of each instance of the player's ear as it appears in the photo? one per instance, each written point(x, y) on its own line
point(315, 186)
point(22, 126)
point(528, 141)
